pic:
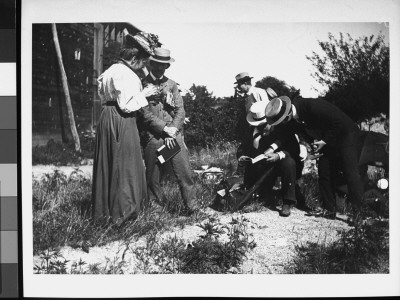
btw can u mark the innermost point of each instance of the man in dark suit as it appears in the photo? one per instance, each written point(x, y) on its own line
point(337, 139)
point(167, 106)
point(282, 151)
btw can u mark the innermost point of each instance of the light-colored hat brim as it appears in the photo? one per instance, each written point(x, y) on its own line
point(285, 114)
point(252, 122)
point(171, 60)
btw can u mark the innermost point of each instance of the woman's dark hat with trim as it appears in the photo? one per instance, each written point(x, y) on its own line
point(277, 110)
point(147, 41)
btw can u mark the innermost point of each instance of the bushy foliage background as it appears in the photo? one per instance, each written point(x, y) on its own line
point(219, 120)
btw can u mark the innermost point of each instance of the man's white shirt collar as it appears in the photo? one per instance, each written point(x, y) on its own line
point(154, 77)
point(251, 90)
point(294, 111)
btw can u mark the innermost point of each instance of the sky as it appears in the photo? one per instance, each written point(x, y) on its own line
point(212, 54)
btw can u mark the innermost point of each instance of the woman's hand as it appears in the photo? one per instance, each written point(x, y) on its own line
point(150, 90)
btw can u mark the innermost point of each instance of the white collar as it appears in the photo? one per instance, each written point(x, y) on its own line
point(251, 90)
point(154, 77)
point(294, 111)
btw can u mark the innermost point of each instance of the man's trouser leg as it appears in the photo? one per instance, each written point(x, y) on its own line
point(181, 166)
point(287, 170)
point(349, 159)
point(326, 178)
point(153, 169)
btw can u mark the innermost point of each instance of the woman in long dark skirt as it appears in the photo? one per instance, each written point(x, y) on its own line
point(119, 183)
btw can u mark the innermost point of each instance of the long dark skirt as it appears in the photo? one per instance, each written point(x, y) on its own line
point(119, 182)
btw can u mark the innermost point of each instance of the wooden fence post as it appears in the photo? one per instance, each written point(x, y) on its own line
point(66, 91)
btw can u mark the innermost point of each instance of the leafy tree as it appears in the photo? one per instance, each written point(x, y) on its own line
point(199, 108)
point(231, 119)
point(356, 73)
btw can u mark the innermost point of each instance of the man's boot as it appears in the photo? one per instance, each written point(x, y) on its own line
point(285, 211)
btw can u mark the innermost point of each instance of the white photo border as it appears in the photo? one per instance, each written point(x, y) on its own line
point(181, 11)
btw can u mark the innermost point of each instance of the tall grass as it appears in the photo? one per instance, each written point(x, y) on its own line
point(222, 155)
point(62, 207)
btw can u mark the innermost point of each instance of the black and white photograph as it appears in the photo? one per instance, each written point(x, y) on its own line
point(210, 148)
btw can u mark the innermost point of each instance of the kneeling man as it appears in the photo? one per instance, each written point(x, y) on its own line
point(281, 149)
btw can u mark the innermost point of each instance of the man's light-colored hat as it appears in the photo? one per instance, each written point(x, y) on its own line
point(256, 115)
point(244, 76)
point(277, 110)
point(162, 55)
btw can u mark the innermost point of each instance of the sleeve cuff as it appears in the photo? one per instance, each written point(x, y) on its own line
point(274, 146)
point(136, 103)
point(281, 155)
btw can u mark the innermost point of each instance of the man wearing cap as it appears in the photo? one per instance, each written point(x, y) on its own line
point(253, 94)
point(284, 159)
point(337, 139)
point(167, 106)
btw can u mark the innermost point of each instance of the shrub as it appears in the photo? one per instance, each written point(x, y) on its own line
point(61, 154)
point(362, 249)
point(207, 255)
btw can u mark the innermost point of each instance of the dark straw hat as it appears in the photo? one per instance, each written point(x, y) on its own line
point(244, 76)
point(277, 110)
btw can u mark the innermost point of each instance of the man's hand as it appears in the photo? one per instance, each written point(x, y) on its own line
point(171, 131)
point(317, 146)
point(272, 157)
point(268, 151)
point(170, 142)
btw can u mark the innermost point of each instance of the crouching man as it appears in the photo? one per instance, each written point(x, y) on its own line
point(282, 152)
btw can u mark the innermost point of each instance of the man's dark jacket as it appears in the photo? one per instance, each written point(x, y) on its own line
point(322, 121)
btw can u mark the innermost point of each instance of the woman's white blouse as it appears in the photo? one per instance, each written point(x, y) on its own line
point(119, 83)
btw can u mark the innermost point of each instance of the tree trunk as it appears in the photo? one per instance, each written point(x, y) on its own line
point(66, 91)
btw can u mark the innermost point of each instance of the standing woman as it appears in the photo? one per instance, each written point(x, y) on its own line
point(119, 183)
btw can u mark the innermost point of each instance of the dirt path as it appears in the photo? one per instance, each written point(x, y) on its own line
point(276, 237)
point(39, 171)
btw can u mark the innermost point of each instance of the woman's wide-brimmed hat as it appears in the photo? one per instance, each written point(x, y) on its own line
point(147, 41)
point(162, 55)
point(244, 76)
point(256, 115)
point(277, 110)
